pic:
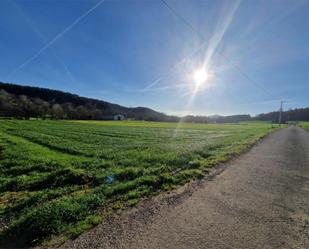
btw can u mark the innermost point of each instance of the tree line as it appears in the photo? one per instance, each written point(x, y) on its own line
point(297, 114)
point(22, 106)
point(34, 102)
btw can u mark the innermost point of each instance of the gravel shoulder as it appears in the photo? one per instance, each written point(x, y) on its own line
point(258, 200)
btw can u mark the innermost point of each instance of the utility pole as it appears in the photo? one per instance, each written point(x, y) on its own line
point(280, 113)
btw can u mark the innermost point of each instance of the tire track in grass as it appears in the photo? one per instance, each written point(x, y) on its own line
point(169, 163)
point(62, 150)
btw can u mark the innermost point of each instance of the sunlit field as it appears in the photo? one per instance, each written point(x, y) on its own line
point(304, 125)
point(62, 177)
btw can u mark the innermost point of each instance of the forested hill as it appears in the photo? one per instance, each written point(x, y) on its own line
point(298, 114)
point(28, 101)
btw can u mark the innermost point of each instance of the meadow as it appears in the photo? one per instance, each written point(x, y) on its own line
point(304, 125)
point(60, 178)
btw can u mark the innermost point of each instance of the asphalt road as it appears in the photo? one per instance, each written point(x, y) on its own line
point(259, 200)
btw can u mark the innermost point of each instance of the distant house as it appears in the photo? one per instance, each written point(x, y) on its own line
point(114, 117)
point(118, 117)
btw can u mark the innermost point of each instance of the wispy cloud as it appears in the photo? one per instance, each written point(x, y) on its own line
point(43, 39)
point(57, 37)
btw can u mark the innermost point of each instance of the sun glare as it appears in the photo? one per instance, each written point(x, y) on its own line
point(200, 76)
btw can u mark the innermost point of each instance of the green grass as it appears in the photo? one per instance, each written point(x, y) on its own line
point(304, 125)
point(62, 177)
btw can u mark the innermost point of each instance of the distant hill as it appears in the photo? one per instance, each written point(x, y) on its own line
point(298, 114)
point(27, 101)
point(217, 118)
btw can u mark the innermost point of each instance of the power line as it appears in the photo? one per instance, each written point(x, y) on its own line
point(280, 111)
point(245, 75)
point(183, 60)
point(201, 36)
point(183, 19)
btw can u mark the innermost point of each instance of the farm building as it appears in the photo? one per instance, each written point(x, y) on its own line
point(118, 117)
point(114, 117)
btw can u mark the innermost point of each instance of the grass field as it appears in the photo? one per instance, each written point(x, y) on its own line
point(62, 177)
point(304, 125)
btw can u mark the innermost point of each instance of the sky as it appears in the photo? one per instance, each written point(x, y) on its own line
point(147, 52)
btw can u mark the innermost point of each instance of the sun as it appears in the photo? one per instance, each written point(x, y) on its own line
point(200, 76)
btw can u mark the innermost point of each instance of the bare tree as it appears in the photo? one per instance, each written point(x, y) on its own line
point(57, 111)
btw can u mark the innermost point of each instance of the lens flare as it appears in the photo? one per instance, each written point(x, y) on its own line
point(200, 76)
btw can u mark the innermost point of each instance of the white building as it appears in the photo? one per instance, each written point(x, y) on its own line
point(118, 117)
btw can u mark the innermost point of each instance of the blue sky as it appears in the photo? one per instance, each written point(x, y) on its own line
point(139, 53)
